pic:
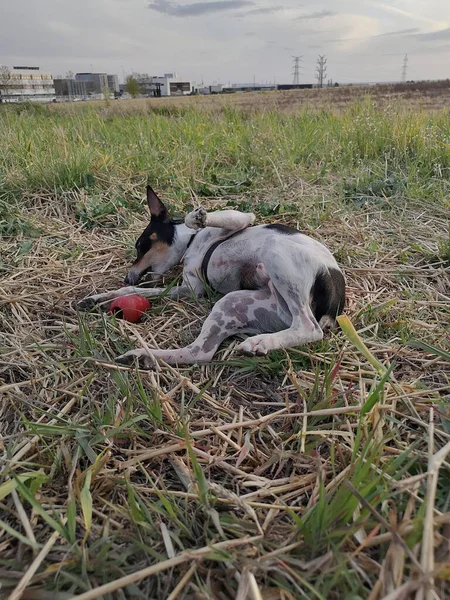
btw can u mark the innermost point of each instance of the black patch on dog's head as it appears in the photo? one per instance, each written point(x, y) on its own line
point(156, 231)
point(160, 229)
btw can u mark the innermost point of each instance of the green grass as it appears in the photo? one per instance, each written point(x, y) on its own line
point(322, 453)
point(224, 152)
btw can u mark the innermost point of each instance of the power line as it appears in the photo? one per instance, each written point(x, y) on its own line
point(404, 68)
point(296, 72)
point(321, 70)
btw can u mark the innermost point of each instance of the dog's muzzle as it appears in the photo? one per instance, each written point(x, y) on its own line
point(132, 278)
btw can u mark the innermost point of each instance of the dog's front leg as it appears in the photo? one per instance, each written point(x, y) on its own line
point(231, 220)
point(107, 297)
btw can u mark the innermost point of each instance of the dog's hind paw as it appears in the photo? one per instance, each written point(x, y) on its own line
point(143, 359)
point(254, 346)
point(196, 219)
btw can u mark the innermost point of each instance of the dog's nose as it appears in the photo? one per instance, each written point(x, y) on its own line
point(131, 278)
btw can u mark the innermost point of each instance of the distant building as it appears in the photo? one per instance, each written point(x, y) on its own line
point(249, 87)
point(164, 83)
point(295, 86)
point(26, 84)
point(70, 88)
point(98, 83)
point(113, 83)
point(167, 85)
point(180, 88)
point(254, 86)
point(206, 90)
point(171, 85)
point(216, 89)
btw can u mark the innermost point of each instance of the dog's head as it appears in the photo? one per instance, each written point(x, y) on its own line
point(156, 248)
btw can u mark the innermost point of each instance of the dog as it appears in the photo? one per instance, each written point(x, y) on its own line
point(279, 286)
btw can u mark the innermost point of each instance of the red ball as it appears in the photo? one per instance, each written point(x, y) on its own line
point(130, 308)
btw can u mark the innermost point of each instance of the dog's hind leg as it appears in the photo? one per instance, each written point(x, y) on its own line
point(290, 282)
point(243, 311)
point(303, 330)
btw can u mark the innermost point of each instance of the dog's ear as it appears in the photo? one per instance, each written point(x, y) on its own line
point(157, 208)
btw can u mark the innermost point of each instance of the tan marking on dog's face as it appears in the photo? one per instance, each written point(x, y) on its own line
point(153, 258)
point(156, 260)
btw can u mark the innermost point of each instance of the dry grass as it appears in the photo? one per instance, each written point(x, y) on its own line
point(321, 472)
point(233, 449)
point(427, 96)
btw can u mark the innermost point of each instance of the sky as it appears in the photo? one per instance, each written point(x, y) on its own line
point(226, 41)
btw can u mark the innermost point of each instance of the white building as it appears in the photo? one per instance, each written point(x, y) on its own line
point(171, 85)
point(26, 84)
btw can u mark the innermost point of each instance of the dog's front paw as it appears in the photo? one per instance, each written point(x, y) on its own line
point(88, 303)
point(196, 219)
point(143, 359)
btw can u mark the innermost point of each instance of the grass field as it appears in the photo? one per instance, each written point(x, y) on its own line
point(322, 472)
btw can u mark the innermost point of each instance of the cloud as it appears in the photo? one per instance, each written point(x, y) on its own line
point(392, 34)
point(255, 12)
point(433, 36)
point(409, 31)
point(353, 30)
point(436, 50)
point(403, 13)
point(197, 9)
point(265, 11)
point(322, 14)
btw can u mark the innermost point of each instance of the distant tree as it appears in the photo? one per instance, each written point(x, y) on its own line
point(6, 80)
point(132, 86)
point(142, 77)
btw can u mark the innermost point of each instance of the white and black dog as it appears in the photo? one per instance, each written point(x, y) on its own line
point(278, 285)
